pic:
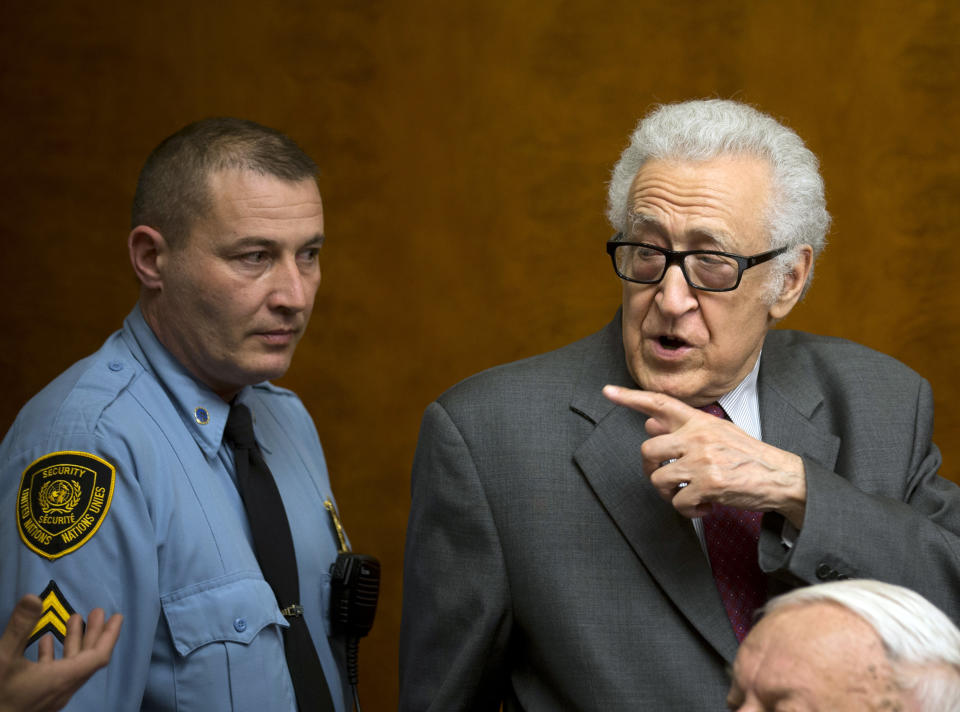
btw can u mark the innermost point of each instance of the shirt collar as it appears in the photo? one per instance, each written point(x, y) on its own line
point(742, 404)
point(202, 411)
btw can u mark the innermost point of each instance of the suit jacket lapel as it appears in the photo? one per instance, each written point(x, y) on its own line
point(610, 460)
point(789, 400)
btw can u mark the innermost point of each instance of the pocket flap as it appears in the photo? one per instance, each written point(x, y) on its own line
point(232, 608)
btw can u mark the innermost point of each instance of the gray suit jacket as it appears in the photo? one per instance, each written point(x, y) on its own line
point(543, 570)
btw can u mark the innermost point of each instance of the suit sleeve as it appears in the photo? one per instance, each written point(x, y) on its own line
point(898, 527)
point(456, 605)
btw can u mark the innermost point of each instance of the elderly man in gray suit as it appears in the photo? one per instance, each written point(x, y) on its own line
point(593, 528)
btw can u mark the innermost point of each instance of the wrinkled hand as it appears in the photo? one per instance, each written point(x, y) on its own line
point(49, 683)
point(719, 461)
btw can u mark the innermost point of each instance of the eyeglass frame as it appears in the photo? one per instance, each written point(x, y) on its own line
point(676, 257)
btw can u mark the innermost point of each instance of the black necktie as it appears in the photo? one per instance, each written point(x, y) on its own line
point(273, 546)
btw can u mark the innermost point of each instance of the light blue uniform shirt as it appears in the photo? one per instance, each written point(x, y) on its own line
point(173, 552)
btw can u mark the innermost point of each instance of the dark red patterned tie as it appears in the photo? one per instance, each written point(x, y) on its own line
point(732, 536)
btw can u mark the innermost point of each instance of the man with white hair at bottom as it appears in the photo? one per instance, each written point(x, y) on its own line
point(845, 646)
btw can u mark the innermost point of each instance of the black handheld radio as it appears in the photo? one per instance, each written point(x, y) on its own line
point(354, 591)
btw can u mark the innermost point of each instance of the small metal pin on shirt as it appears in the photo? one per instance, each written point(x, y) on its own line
point(337, 525)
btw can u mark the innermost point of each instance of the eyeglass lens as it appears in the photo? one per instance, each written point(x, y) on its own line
point(643, 264)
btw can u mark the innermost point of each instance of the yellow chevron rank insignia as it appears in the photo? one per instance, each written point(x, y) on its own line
point(56, 613)
point(62, 501)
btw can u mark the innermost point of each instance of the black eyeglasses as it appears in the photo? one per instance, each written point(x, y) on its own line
point(709, 270)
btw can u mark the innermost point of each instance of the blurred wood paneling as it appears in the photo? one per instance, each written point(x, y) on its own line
point(465, 149)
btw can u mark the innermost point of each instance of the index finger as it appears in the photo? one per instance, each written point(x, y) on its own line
point(671, 413)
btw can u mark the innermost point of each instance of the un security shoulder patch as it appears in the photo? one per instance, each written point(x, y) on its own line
point(62, 501)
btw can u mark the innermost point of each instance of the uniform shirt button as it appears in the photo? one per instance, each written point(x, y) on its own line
point(824, 572)
point(115, 365)
point(240, 625)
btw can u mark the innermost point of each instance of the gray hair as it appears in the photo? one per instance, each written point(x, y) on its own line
point(921, 643)
point(703, 129)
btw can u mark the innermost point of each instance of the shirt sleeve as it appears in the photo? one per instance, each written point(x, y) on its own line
point(82, 528)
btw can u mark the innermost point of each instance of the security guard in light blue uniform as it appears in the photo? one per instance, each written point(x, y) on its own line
point(170, 546)
point(124, 490)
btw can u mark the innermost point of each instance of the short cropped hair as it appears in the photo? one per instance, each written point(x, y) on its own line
point(921, 643)
point(703, 129)
point(173, 189)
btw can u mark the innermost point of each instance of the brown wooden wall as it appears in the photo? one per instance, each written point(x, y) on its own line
point(465, 148)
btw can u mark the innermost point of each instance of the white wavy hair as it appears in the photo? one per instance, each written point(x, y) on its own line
point(921, 643)
point(707, 128)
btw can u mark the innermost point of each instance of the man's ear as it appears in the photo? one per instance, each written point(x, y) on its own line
point(148, 255)
point(793, 283)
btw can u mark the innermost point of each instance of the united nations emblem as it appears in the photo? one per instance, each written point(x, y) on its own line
point(62, 501)
point(60, 496)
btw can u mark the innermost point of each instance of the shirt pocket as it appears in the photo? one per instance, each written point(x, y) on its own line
point(228, 642)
